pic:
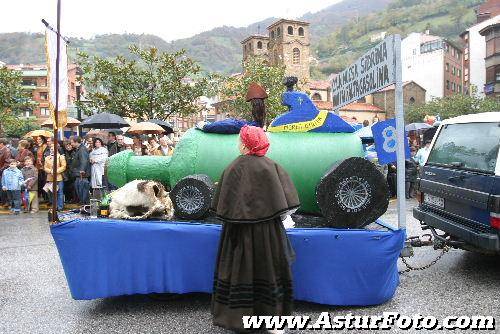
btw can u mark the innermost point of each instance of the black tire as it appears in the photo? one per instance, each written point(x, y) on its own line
point(192, 196)
point(352, 194)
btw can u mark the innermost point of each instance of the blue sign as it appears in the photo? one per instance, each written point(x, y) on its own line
point(385, 138)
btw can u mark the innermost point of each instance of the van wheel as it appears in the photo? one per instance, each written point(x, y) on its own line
point(192, 196)
point(352, 194)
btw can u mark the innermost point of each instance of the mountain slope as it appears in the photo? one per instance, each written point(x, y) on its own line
point(217, 50)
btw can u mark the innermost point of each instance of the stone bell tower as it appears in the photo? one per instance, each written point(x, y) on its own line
point(255, 45)
point(289, 45)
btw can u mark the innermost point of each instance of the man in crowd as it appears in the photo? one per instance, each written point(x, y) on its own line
point(120, 143)
point(112, 144)
point(80, 169)
point(4, 158)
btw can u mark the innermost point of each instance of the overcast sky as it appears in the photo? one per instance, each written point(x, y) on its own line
point(167, 19)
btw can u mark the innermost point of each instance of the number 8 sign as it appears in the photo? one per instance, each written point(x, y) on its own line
point(384, 135)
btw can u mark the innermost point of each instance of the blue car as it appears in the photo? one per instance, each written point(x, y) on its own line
point(460, 184)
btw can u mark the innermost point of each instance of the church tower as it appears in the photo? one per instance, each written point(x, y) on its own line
point(255, 45)
point(289, 45)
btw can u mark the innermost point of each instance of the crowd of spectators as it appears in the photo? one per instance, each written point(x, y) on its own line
point(27, 174)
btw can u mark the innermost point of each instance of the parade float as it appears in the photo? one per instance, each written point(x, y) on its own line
point(352, 261)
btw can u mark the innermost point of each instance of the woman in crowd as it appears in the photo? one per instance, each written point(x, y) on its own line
point(138, 147)
point(69, 180)
point(253, 274)
point(153, 147)
point(41, 147)
point(165, 148)
point(97, 159)
point(61, 168)
point(23, 153)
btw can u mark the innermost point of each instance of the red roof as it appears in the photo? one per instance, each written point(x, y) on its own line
point(323, 105)
point(361, 107)
point(319, 84)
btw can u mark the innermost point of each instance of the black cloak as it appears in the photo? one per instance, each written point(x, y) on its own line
point(253, 189)
point(253, 274)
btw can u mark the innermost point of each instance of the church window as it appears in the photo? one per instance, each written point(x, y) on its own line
point(296, 56)
point(259, 45)
point(268, 45)
point(278, 32)
point(272, 34)
point(301, 31)
point(316, 97)
point(290, 30)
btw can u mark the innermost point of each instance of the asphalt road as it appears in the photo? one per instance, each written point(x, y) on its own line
point(34, 297)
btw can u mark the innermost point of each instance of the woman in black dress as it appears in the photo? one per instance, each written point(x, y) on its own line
point(253, 274)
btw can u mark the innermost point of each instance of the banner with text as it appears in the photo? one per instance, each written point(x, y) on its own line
point(370, 73)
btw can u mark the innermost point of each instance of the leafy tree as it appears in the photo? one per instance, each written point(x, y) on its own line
point(14, 100)
point(255, 69)
point(452, 106)
point(18, 126)
point(155, 86)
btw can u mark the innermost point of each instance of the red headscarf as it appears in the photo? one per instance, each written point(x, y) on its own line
point(255, 139)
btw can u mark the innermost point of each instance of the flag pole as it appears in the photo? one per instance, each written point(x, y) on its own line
point(55, 121)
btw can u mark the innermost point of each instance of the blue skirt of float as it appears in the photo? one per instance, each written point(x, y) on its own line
point(104, 258)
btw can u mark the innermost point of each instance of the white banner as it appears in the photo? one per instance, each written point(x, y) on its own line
point(370, 73)
point(51, 50)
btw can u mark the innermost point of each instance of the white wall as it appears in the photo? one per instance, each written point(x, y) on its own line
point(425, 69)
point(477, 53)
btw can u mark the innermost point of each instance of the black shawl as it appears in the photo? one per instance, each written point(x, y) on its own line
point(254, 189)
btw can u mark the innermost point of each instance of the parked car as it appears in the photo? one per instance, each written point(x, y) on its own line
point(460, 183)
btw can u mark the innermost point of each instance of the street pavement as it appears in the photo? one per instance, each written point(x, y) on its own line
point(34, 297)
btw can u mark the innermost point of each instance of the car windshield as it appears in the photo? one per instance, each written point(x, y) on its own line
point(471, 146)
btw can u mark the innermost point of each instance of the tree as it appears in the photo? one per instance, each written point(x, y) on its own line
point(14, 100)
point(452, 106)
point(157, 85)
point(255, 69)
point(18, 126)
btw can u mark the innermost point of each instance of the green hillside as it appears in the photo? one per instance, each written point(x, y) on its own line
point(446, 18)
point(339, 33)
point(217, 50)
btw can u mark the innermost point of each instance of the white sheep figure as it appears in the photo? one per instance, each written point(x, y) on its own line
point(140, 199)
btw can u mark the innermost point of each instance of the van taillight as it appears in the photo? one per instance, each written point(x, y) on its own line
point(495, 220)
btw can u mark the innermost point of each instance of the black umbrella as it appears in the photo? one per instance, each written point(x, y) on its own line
point(169, 128)
point(104, 120)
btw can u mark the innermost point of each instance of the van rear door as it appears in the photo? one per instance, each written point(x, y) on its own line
point(459, 179)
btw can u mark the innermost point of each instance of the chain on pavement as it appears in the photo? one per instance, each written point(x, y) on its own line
point(427, 266)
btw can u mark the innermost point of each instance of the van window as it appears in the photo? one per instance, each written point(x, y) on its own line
point(471, 146)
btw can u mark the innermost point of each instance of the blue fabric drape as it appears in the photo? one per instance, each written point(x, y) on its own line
point(104, 258)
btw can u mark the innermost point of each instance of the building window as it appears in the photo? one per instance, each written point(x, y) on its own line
point(296, 56)
point(466, 56)
point(278, 32)
point(454, 87)
point(268, 45)
point(453, 70)
point(301, 31)
point(43, 96)
point(290, 30)
point(414, 52)
point(459, 73)
point(448, 84)
point(460, 89)
point(272, 34)
point(453, 52)
point(259, 45)
point(44, 112)
point(412, 100)
point(316, 97)
point(458, 55)
point(43, 83)
point(447, 67)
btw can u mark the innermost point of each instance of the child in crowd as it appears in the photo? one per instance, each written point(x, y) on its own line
point(30, 174)
point(12, 181)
